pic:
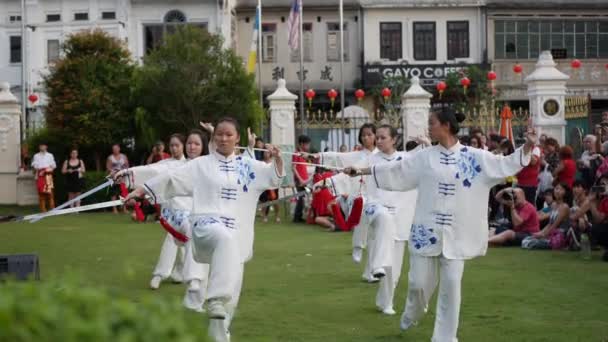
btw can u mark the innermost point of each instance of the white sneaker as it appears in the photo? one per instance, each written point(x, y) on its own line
point(155, 282)
point(216, 309)
point(176, 277)
point(389, 311)
point(195, 285)
point(357, 254)
point(406, 323)
point(379, 273)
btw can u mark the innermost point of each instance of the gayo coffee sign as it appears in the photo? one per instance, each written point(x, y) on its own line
point(429, 74)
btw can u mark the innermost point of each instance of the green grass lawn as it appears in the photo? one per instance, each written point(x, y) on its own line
point(302, 285)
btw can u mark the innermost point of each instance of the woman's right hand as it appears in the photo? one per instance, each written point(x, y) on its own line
point(117, 175)
point(139, 192)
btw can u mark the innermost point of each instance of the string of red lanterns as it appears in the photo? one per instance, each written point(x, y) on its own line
point(441, 87)
point(359, 94)
point(465, 82)
point(310, 94)
point(33, 98)
point(332, 94)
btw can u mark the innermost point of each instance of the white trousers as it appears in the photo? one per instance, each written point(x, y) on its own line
point(217, 245)
point(171, 260)
point(424, 274)
point(388, 284)
point(219, 330)
point(381, 239)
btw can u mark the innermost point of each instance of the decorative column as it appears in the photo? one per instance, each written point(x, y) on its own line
point(282, 126)
point(415, 107)
point(10, 147)
point(547, 93)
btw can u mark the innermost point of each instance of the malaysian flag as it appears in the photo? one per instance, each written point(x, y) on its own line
point(293, 25)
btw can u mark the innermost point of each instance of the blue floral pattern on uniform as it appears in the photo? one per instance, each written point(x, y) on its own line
point(370, 210)
point(166, 213)
point(422, 236)
point(468, 167)
point(179, 217)
point(205, 221)
point(245, 172)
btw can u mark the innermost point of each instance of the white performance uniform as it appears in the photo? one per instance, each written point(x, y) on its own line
point(389, 215)
point(225, 192)
point(358, 159)
point(176, 211)
point(450, 224)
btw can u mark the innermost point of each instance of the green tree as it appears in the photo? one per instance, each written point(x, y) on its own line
point(192, 78)
point(89, 91)
point(397, 84)
point(478, 94)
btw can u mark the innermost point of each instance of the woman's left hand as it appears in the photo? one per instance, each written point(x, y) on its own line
point(275, 152)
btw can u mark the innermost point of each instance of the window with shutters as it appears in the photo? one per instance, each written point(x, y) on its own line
point(333, 42)
point(525, 39)
point(81, 16)
point(458, 39)
point(53, 18)
point(108, 15)
point(390, 41)
point(425, 41)
point(269, 43)
point(52, 50)
point(308, 45)
point(15, 49)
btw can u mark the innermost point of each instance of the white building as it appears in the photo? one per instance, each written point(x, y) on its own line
point(321, 35)
point(518, 30)
point(427, 39)
point(140, 23)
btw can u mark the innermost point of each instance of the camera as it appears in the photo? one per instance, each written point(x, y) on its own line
point(507, 195)
point(599, 189)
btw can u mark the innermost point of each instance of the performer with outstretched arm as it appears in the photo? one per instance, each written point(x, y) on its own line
point(225, 190)
point(367, 139)
point(450, 224)
point(175, 212)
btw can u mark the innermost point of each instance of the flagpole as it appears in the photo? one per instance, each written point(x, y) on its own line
point(260, 56)
point(302, 113)
point(342, 95)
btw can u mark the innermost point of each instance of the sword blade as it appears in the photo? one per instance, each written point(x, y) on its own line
point(102, 186)
point(282, 199)
point(74, 210)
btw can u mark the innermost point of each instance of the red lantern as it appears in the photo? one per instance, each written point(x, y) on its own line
point(310, 94)
point(517, 68)
point(465, 82)
point(441, 87)
point(386, 93)
point(575, 64)
point(359, 94)
point(33, 98)
point(606, 66)
point(332, 94)
point(491, 76)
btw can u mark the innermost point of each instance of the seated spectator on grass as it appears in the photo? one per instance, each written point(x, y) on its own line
point(547, 199)
point(553, 235)
point(524, 219)
point(597, 205)
point(474, 142)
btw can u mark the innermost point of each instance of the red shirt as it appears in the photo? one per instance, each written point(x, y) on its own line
point(530, 223)
point(158, 158)
point(568, 172)
point(300, 168)
point(603, 206)
point(528, 176)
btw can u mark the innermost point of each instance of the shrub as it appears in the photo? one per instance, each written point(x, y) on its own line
point(69, 311)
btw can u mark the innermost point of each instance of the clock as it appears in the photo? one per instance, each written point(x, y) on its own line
point(551, 107)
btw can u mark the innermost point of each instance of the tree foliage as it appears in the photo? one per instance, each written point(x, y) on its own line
point(88, 91)
point(478, 94)
point(192, 78)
